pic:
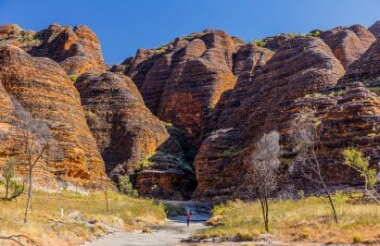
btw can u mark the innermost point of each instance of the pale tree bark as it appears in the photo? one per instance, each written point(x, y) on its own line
point(306, 141)
point(261, 174)
point(33, 155)
point(104, 188)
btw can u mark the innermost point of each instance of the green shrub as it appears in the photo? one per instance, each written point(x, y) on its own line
point(314, 33)
point(357, 238)
point(259, 42)
point(73, 77)
point(13, 188)
point(147, 162)
point(355, 158)
point(126, 187)
point(232, 152)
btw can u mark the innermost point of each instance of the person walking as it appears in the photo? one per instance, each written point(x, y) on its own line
point(188, 217)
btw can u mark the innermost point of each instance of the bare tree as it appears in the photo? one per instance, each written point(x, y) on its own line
point(33, 152)
point(34, 143)
point(306, 141)
point(261, 173)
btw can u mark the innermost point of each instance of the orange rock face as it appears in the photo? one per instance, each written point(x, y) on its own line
point(182, 117)
point(183, 81)
point(132, 140)
point(38, 88)
point(188, 98)
point(76, 50)
point(125, 129)
point(261, 108)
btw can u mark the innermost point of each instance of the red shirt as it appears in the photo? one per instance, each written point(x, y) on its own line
point(188, 216)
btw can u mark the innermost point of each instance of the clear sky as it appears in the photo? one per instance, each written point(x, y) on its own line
point(123, 26)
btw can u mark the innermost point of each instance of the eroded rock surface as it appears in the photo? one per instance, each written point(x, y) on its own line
point(130, 138)
point(37, 90)
point(76, 49)
point(310, 67)
point(125, 129)
point(366, 69)
point(375, 29)
point(181, 82)
point(348, 44)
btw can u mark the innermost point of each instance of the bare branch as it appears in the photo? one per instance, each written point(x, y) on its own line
point(306, 142)
point(261, 173)
point(17, 238)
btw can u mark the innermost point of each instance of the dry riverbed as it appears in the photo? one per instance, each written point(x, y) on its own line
point(173, 232)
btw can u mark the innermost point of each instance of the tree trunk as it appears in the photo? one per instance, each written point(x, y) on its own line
point(367, 190)
point(7, 188)
point(264, 209)
point(266, 214)
point(331, 202)
point(29, 194)
point(106, 197)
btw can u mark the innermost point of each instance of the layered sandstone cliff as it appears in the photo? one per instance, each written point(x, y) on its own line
point(130, 138)
point(182, 81)
point(186, 114)
point(348, 44)
point(310, 66)
point(38, 94)
point(76, 49)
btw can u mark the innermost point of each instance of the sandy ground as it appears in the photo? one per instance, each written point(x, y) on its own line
point(170, 234)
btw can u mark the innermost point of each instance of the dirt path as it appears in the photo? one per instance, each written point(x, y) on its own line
point(171, 233)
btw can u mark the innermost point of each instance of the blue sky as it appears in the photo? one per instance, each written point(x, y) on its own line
point(125, 26)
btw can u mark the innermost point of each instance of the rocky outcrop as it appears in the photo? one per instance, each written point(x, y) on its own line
point(274, 43)
point(157, 77)
point(348, 44)
point(206, 91)
point(193, 90)
point(181, 82)
point(250, 61)
point(7, 125)
point(366, 69)
point(353, 121)
point(349, 116)
point(169, 173)
point(10, 30)
point(131, 139)
point(125, 129)
point(375, 29)
point(37, 93)
point(76, 50)
point(311, 66)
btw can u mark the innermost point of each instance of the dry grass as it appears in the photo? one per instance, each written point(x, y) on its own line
point(306, 220)
point(85, 217)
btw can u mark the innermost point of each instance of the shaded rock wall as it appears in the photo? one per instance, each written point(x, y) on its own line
point(310, 66)
point(348, 44)
point(124, 128)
